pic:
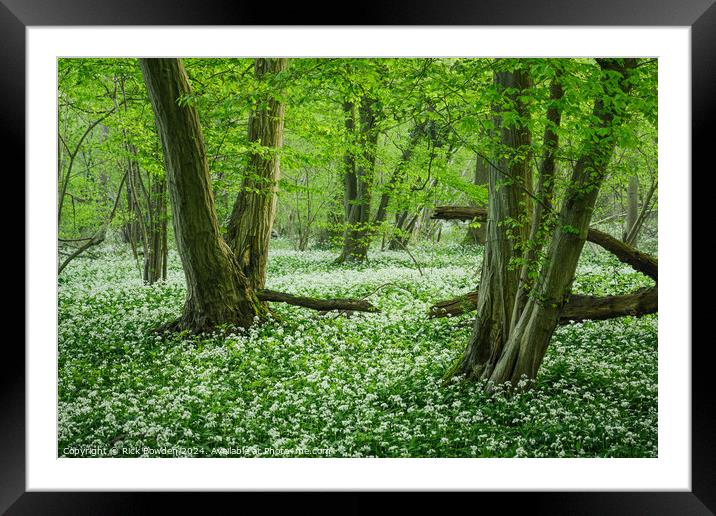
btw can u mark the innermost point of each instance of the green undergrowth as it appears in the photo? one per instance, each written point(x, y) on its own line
point(306, 384)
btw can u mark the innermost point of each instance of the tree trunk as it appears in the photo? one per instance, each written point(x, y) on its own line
point(249, 229)
point(632, 210)
point(476, 235)
point(542, 222)
point(509, 343)
point(324, 305)
point(499, 281)
point(397, 177)
point(155, 257)
point(633, 234)
point(404, 228)
point(218, 293)
point(527, 343)
point(358, 182)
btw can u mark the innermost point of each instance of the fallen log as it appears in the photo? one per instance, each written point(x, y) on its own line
point(583, 308)
point(324, 305)
point(579, 307)
point(456, 306)
point(460, 213)
point(642, 262)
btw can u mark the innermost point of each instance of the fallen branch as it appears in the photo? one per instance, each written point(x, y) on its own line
point(455, 306)
point(460, 213)
point(579, 307)
point(324, 305)
point(582, 308)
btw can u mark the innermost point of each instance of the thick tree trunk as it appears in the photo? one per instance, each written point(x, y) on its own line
point(358, 182)
point(249, 229)
point(499, 281)
point(218, 293)
point(527, 343)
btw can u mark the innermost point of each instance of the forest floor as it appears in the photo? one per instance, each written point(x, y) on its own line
point(312, 385)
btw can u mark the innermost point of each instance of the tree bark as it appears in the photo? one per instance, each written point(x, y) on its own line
point(218, 293)
point(642, 262)
point(249, 229)
point(633, 234)
point(468, 213)
point(542, 223)
point(499, 282)
point(397, 177)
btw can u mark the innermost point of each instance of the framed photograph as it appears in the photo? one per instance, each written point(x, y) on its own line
point(255, 253)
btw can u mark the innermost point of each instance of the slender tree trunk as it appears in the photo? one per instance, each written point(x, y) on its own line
point(156, 251)
point(404, 228)
point(249, 230)
point(633, 234)
point(476, 235)
point(499, 281)
point(397, 177)
point(541, 224)
point(632, 213)
point(218, 293)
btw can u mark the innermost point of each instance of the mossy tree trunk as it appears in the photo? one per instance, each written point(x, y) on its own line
point(513, 351)
point(360, 166)
point(542, 221)
point(249, 229)
point(218, 293)
point(507, 187)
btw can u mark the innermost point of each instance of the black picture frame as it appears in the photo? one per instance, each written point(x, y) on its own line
point(700, 15)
